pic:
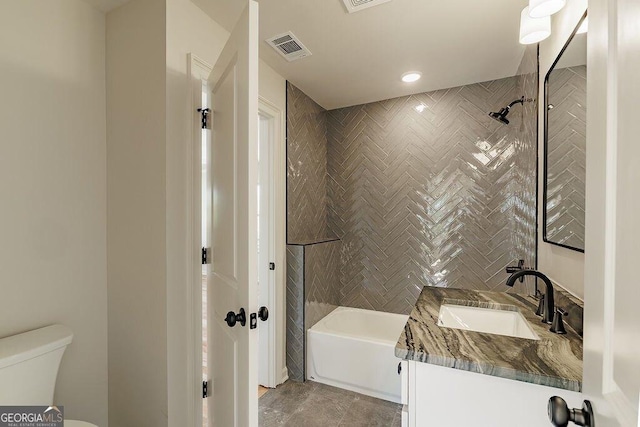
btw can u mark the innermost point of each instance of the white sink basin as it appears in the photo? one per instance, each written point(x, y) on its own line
point(491, 321)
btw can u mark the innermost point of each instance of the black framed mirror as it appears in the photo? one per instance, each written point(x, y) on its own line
point(565, 129)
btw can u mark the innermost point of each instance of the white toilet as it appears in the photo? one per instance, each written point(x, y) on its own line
point(29, 365)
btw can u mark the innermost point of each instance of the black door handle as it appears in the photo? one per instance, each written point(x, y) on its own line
point(560, 415)
point(233, 318)
point(263, 313)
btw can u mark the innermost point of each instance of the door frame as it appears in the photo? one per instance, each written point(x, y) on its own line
point(610, 402)
point(198, 71)
point(276, 294)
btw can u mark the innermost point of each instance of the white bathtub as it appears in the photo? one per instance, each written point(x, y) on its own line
point(353, 349)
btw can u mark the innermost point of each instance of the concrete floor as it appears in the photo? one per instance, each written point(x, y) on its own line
point(312, 404)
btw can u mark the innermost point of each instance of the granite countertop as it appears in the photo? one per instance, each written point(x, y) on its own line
point(554, 360)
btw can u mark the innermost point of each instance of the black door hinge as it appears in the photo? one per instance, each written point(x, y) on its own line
point(272, 266)
point(205, 389)
point(204, 120)
point(206, 256)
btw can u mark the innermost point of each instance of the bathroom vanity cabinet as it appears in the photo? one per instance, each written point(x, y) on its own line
point(489, 376)
point(434, 395)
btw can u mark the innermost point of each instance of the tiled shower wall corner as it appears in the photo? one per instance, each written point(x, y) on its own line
point(295, 312)
point(567, 156)
point(312, 293)
point(312, 272)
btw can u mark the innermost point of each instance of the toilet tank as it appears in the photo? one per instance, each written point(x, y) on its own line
point(29, 365)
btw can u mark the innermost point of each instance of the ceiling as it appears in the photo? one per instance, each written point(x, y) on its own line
point(360, 57)
point(106, 5)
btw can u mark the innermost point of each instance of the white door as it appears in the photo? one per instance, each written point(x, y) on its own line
point(612, 297)
point(232, 284)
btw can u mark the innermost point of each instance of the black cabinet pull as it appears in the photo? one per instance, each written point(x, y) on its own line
point(560, 415)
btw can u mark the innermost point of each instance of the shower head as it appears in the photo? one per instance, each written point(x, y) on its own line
point(501, 115)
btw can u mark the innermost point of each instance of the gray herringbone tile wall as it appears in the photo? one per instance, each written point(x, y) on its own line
point(421, 190)
point(306, 168)
point(321, 281)
point(312, 293)
point(525, 236)
point(295, 312)
point(566, 156)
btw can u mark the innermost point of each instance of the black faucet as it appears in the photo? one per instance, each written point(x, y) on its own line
point(549, 308)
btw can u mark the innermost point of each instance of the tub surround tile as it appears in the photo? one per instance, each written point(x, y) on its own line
point(428, 190)
point(554, 360)
point(422, 190)
point(312, 293)
point(321, 281)
point(306, 168)
point(295, 312)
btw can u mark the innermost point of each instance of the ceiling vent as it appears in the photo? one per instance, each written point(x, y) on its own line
point(358, 5)
point(288, 45)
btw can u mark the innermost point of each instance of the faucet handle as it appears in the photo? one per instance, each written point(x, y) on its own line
point(558, 326)
point(514, 269)
point(541, 297)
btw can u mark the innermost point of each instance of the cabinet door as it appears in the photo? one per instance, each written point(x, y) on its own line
point(447, 397)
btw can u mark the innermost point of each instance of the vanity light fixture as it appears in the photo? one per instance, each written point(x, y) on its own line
point(533, 30)
point(542, 8)
point(411, 76)
point(584, 27)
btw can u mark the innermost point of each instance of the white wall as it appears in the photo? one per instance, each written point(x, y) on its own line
point(563, 266)
point(136, 218)
point(53, 188)
point(273, 87)
point(150, 120)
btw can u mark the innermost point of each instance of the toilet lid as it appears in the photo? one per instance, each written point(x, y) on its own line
point(75, 423)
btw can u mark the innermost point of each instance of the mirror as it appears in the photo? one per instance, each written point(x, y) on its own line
point(565, 142)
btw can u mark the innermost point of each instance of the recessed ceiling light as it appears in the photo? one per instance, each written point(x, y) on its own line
point(411, 76)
